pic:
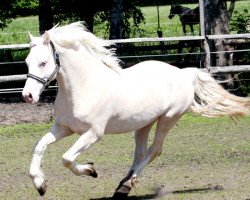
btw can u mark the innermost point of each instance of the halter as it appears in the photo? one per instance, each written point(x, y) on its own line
point(46, 81)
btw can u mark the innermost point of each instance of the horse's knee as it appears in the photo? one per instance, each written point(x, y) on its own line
point(32, 173)
point(67, 162)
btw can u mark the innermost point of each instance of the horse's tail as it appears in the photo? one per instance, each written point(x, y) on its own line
point(212, 100)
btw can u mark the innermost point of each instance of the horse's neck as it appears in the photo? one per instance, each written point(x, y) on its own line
point(184, 9)
point(79, 72)
point(197, 10)
point(180, 10)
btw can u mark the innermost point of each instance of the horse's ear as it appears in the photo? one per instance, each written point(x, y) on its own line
point(31, 37)
point(46, 37)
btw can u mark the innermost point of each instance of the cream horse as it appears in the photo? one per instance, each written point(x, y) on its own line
point(96, 97)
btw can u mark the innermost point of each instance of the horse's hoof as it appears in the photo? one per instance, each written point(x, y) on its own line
point(92, 171)
point(121, 192)
point(93, 174)
point(41, 191)
point(40, 185)
point(120, 196)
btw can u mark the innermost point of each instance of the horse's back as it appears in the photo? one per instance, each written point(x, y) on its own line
point(153, 74)
point(190, 16)
point(151, 68)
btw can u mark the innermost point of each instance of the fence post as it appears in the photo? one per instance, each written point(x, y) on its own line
point(207, 62)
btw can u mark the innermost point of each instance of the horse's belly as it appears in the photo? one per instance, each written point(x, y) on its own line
point(133, 119)
point(123, 126)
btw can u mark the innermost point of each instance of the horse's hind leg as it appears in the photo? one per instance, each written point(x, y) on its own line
point(164, 124)
point(35, 172)
point(141, 145)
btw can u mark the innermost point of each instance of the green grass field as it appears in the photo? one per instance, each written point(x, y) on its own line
point(16, 32)
point(202, 159)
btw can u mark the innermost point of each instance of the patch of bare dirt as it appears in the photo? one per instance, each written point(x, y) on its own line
point(14, 110)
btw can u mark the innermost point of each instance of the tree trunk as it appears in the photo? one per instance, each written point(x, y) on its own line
point(116, 20)
point(45, 16)
point(217, 23)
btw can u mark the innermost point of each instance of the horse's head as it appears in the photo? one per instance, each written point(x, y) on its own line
point(41, 67)
point(174, 10)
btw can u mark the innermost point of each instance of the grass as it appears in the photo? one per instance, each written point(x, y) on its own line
point(17, 30)
point(202, 159)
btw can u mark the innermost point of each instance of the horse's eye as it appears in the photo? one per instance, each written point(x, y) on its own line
point(42, 64)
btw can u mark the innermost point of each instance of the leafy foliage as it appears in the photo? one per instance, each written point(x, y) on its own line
point(133, 12)
point(73, 10)
point(10, 9)
point(26, 7)
point(240, 21)
point(6, 12)
point(240, 24)
point(133, 18)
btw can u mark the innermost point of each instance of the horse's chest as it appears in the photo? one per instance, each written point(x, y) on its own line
point(73, 123)
point(71, 120)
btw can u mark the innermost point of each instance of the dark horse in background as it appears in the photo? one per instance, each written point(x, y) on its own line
point(187, 16)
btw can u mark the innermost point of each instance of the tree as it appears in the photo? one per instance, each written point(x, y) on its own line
point(218, 23)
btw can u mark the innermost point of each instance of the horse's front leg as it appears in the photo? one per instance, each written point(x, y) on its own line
point(192, 29)
point(184, 29)
point(57, 132)
point(86, 140)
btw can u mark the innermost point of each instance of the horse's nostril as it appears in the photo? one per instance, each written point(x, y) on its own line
point(30, 96)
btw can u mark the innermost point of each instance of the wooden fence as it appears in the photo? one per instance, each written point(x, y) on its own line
point(207, 53)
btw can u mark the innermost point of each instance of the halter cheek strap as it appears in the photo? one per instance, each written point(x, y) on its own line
point(46, 81)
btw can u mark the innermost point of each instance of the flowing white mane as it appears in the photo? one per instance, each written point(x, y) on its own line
point(75, 34)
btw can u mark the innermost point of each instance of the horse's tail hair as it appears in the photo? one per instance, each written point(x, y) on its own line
point(212, 100)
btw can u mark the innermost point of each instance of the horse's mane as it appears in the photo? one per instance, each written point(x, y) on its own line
point(75, 35)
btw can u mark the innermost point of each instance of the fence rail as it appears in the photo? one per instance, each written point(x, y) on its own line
point(14, 46)
point(210, 69)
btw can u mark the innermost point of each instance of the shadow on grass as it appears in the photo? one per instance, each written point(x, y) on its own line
point(147, 196)
point(160, 192)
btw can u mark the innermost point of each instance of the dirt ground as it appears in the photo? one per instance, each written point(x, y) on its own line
point(14, 110)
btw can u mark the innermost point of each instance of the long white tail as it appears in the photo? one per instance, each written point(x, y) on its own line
point(212, 100)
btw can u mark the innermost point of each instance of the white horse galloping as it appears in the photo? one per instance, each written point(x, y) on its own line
point(95, 97)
